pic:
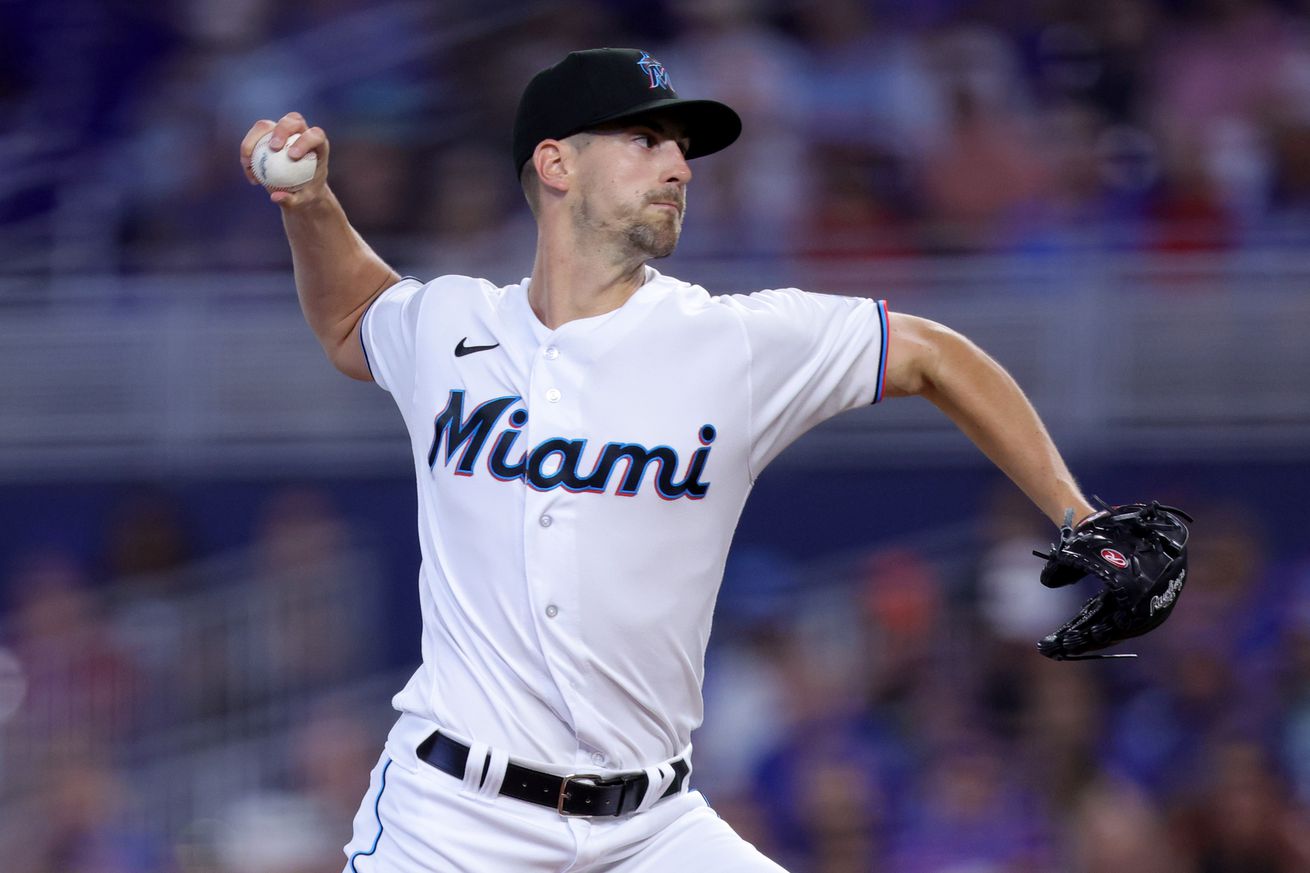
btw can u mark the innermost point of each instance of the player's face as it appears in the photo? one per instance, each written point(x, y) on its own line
point(633, 186)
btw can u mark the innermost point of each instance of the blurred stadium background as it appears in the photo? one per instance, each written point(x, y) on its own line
point(207, 551)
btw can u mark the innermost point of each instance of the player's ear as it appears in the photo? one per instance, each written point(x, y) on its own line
point(551, 161)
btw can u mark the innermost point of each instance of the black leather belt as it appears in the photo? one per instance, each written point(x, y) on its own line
point(577, 794)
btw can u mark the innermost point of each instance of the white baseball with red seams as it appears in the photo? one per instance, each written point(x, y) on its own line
point(276, 170)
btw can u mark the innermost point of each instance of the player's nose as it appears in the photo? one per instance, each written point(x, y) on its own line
point(679, 169)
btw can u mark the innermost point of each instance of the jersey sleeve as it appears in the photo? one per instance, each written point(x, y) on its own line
point(811, 357)
point(387, 332)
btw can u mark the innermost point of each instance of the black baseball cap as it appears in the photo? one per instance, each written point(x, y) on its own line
point(593, 87)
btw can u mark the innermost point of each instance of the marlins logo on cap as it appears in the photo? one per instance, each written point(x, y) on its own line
point(659, 77)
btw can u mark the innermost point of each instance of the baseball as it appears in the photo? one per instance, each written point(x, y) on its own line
point(276, 171)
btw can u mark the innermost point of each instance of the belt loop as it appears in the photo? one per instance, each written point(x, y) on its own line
point(474, 767)
point(658, 779)
point(490, 789)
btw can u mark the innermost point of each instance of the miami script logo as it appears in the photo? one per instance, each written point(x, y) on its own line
point(558, 462)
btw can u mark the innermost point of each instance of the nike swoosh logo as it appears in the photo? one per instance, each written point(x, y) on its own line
point(461, 350)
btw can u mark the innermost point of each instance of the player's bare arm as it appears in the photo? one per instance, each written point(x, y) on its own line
point(337, 274)
point(932, 361)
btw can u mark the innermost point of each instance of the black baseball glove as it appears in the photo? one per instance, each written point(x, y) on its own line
point(1139, 552)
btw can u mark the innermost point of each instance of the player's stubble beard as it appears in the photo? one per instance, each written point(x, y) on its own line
point(638, 234)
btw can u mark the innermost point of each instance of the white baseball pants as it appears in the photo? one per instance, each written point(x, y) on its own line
point(417, 819)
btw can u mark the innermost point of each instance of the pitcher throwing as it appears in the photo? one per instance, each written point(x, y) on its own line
point(584, 442)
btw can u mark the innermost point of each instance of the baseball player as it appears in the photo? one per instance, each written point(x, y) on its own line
point(584, 442)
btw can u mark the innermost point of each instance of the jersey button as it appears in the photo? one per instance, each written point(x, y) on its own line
point(545, 521)
point(551, 353)
point(598, 757)
point(552, 611)
point(553, 395)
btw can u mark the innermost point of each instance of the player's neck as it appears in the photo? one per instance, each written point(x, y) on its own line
point(571, 281)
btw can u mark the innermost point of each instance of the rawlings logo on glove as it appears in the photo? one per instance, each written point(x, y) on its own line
point(1139, 552)
point(1166, 600)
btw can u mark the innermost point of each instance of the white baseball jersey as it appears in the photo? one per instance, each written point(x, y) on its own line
point(578, 489)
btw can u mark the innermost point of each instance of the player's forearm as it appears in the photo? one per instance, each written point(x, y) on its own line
point(337, 274)
point(987, 404)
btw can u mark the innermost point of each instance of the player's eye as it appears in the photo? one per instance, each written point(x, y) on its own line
point(646, 140)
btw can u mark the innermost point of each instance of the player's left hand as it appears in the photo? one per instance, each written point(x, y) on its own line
point(1139, 552)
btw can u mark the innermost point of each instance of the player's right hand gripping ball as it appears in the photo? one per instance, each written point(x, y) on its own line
point(1139, 552)
point(277, 170)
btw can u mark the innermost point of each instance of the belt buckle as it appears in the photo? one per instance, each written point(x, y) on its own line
point(593, 778)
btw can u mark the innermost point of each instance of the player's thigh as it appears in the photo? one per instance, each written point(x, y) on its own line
point(420, 822)
point(698, 840)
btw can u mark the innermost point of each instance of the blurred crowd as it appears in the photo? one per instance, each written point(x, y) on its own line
point(879, 709)
point(873, 127)
point(922, 734)
point(167, 712)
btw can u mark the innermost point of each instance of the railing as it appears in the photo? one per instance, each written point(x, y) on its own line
point(1202, 355)
point(198, 684)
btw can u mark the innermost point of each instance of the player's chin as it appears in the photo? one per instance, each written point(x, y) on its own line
point(666, 239)
point(656, 240)
point(665, 247)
